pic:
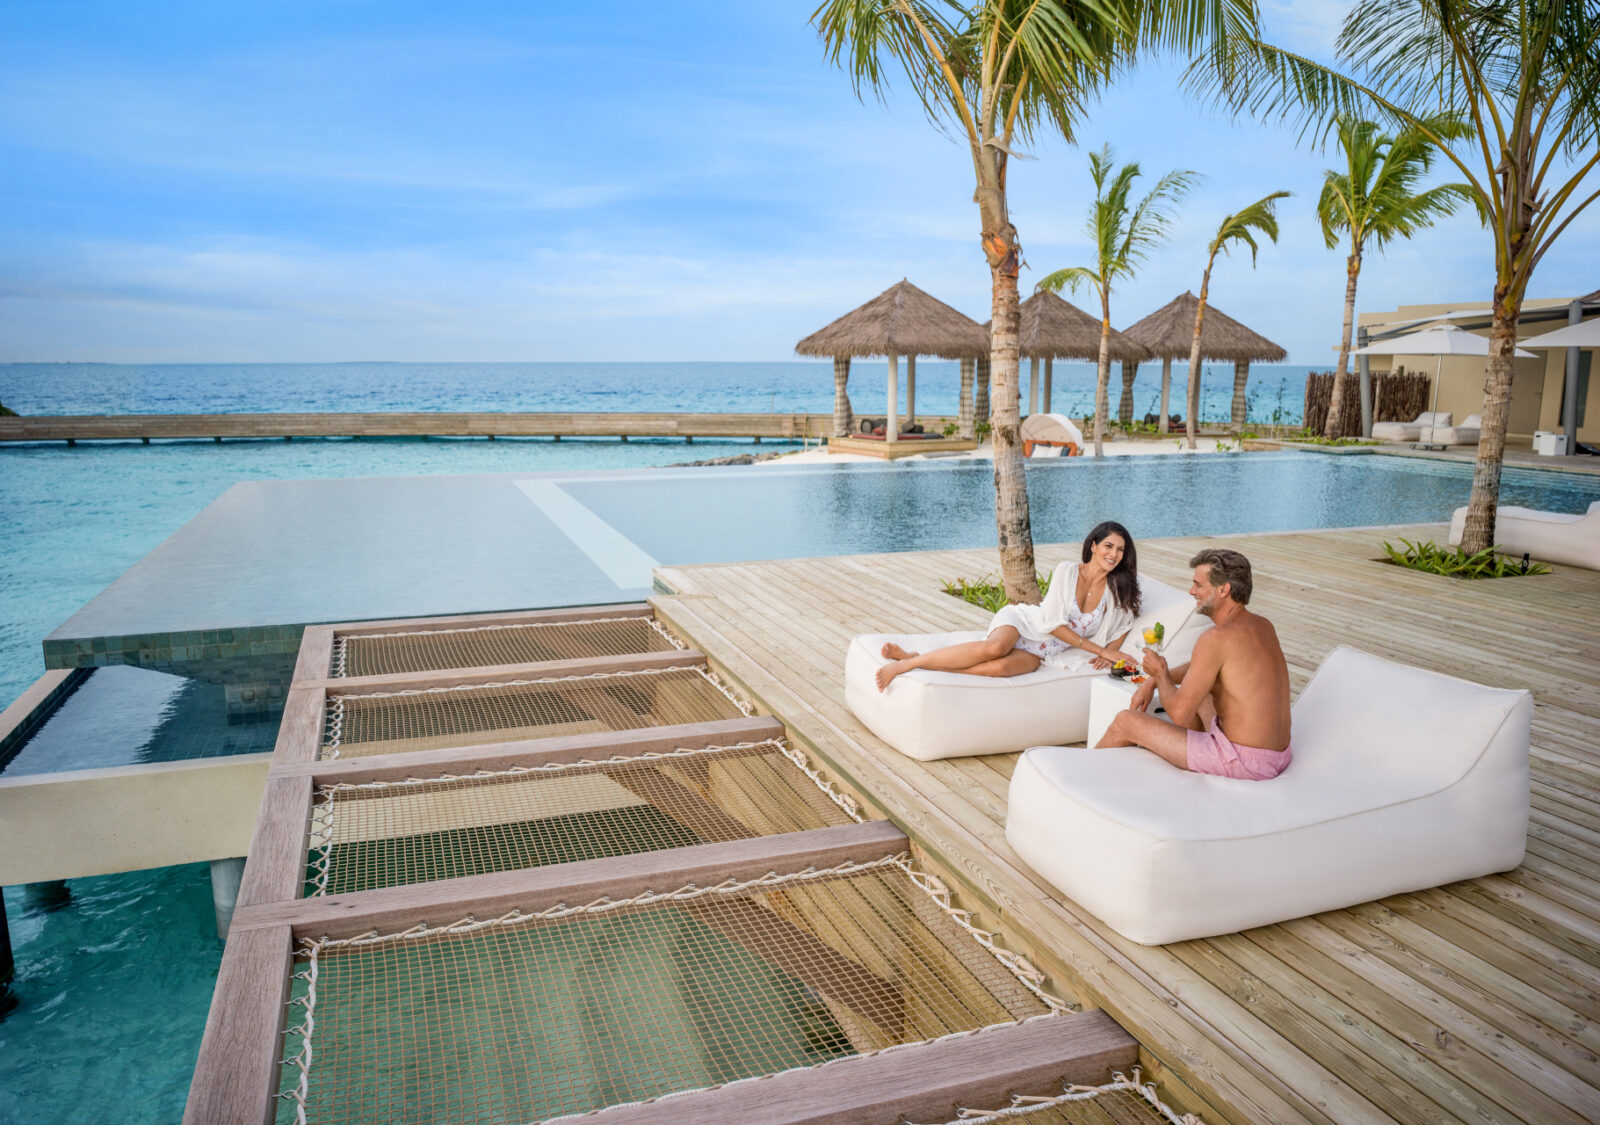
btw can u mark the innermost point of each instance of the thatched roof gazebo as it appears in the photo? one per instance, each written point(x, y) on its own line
point(900, 321)
point(1168, 334)
point(1051, 328)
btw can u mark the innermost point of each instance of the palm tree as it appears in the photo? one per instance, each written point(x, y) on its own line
point(1262, 215)
point(1375, 199)
point(997, 73)
point(1527, 77)
point(1123, 233)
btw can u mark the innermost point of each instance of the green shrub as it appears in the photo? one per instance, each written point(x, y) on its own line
point(950, 429)
point(988, 591)
point(1455, 563)
point(1318, 439)
point(983, 429)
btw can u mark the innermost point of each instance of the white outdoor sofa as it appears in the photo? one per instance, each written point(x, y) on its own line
point(930, 715)
point(1557, 537)
point(1411, 431)
point(1466, 433)
point(1402, 779)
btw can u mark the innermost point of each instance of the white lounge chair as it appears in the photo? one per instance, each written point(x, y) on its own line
point(930, 715)
point(1402, 779)
point(1466, 433)
point(1410, 431)
point(1556, 537)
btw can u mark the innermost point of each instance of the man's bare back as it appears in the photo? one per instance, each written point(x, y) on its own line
point(1233, 694)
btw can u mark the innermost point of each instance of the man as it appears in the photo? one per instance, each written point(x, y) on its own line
point(1236, 682)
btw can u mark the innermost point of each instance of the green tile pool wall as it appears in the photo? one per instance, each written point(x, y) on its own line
point(12, 739)
point(253, 656)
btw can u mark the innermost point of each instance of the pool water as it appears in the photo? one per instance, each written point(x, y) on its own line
point(114, 988)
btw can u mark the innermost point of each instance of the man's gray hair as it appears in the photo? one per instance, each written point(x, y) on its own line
point(1228, 568)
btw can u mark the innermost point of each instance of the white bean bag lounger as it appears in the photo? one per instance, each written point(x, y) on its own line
point(1402, 779)
point(1557, 537)
point(930, 715)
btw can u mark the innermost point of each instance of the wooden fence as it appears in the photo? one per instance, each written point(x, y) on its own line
point(1397, 396)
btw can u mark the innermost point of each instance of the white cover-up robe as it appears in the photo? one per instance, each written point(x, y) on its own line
point(1039, 622)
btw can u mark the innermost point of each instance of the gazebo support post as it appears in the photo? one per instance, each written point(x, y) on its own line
point(1130, 371)
point(911, 389)
point(1033, 385)
point(843, 416)
point(1364, 366)
point(1166, 395)
point(965, 423)
point(1049, 373)
point(980, 400)
point(891, 427)
point(1569, 399)
point(1241, 377)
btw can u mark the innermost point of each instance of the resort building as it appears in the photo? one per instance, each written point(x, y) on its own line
point(1538, 383)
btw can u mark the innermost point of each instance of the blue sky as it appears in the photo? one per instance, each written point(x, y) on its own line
point(476, 181)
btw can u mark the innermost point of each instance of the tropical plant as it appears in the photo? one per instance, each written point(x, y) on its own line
point(1525, 74)
point(1123, 233)
point(1457, 562)
point(996, 73)
point(986, 592)
point(1375, 200)
point(1262, 215)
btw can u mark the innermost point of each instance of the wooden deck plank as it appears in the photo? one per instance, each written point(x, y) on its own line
point(236, 1074)
point(1506, 968)
point(915, 1083)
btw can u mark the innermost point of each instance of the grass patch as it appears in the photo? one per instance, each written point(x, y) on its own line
point(1452, 562)
point(1338, 441)
point(987, 592)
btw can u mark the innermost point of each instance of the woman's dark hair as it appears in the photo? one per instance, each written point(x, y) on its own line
point(1124, 581)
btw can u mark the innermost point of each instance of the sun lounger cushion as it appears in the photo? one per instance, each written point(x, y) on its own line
point(1410, 431)
point(1466, 433)
point(930, 715)
point(1557, 537)
point(1402, 779)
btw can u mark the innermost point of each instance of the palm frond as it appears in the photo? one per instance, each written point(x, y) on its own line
point(1073, 278)
point(1262, 215)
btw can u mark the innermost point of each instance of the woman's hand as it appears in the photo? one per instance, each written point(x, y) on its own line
point(1109, 657)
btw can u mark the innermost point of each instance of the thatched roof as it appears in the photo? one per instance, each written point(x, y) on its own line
point(1168, 332)
point(902, 320)
point(1052, 328)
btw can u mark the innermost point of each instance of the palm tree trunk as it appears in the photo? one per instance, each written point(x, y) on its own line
point(842, 414)
point(1166, 395)
point(1012, 525)
point(1102, 384)
point(964, 421)
point(1130, 372)
point(1192, 421)
point(1479, 531)
point(1241, 378)
point(1352, 270)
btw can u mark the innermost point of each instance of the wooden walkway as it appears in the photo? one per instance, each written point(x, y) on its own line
point(144, 427)
point(1476, 1002)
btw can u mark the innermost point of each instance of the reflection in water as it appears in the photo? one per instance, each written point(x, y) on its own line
point(123, 716)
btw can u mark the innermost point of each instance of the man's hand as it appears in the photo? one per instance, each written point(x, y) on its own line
point(1156, 665)
point(1142, 696)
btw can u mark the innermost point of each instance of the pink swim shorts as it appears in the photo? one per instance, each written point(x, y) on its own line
point(1211, 751)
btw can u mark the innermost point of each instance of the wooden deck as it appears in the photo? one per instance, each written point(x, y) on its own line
point(1478, 1001)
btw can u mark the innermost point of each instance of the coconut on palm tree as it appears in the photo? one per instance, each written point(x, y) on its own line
point(1375, 200)
point(1527, 78)
point(996, 74)
point(1123, 233)
point(1262, 215)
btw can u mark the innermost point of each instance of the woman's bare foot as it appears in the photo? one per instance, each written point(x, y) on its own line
point(892, 651)
point(888, 672)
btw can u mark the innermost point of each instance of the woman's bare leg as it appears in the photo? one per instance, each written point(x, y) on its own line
point(954, 658)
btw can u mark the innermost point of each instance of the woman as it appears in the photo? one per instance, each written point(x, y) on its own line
point(1084, 619)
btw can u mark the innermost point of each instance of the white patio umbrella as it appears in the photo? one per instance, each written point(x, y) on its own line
point(1445, 340)
point(1585, 335)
